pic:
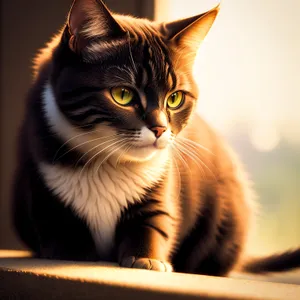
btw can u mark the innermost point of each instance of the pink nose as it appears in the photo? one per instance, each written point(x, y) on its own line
point(158, 130)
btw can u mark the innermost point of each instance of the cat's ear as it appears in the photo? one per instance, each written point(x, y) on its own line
point(190, 32)
point(89, 19)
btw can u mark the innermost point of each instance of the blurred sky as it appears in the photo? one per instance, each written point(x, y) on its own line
point(248, 68)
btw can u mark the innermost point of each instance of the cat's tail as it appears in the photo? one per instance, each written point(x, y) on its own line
point(279, 262)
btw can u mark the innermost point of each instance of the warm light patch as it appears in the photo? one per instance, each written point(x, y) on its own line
point(264, 137)
point(249, 60)
point(247, 70)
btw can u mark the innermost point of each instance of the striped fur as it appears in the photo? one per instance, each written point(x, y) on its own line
point(144, 184)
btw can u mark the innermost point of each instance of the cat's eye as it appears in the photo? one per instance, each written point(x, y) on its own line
point(122, 95)
point(175, 100)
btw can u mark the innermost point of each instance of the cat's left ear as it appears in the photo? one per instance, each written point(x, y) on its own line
point(89, 19)
point(190, 32)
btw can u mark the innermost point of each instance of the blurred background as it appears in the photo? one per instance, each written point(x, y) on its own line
point(248, 70)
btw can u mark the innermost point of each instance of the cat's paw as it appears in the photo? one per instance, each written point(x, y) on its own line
point(146, 263)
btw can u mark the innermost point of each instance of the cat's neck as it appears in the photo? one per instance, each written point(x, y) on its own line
point(101, 192)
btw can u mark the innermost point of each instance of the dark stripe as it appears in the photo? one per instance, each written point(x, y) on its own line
point(155, 213)
point(201, 240)
point(90, 125)
point(170, 70)
point(146, 64)
point(139, 79)
point(83, 90)
point(83, 116)
point(76, 103)
point(160, 59)
point(163, 233)
point(100, 120)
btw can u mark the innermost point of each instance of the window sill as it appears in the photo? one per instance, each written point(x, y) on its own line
point(22, 277)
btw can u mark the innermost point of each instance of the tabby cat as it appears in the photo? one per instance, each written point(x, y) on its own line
point(114, 163)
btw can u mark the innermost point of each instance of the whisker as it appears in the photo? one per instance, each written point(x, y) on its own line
point(97, 146)
point(193, 155)
point(86, 142)
point(78, 127)
point(179, 177)
point(72, 138)
point(187, 152)
point(118, 147)
point(122, 70)
point(121, 78)
point(192, 147)
point(181, 158)
point(194, 143)
point(122, 153)
point(76, 136)
point(95, 155)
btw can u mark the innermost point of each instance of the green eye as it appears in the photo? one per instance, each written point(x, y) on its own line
point(122, 95)
point(175, 100)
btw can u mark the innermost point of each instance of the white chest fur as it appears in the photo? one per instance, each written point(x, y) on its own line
point(99, 195)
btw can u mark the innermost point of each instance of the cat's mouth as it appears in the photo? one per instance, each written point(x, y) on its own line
point(145, 145)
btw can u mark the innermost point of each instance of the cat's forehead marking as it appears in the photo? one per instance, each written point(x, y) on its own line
point(150, 52)
point(144, 77)
point(143, 99)
point(170, 80)
point(144, 102)
point(157, 61)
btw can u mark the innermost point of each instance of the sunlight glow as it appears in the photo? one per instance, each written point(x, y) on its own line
point(247, 70)
point(248, 64)
point(264, 138)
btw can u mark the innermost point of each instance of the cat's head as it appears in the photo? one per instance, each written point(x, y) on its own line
point(124, 85)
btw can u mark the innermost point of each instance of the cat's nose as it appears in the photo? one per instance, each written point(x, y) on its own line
point(158, 130)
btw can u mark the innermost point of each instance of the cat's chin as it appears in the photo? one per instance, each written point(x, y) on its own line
point(140, 154)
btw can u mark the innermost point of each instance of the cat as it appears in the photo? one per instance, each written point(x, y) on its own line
point(114, 163)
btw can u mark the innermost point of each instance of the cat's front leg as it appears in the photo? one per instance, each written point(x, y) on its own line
point(144, 237)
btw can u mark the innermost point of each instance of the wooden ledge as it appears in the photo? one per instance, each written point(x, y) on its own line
point(22, 277)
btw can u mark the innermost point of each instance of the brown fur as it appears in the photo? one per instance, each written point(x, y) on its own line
point(190, 207)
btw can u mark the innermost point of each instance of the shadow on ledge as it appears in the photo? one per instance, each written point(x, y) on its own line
point(22, 277)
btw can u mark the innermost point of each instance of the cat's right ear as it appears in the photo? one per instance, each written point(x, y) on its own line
point(187, 34)
point(89, 19)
